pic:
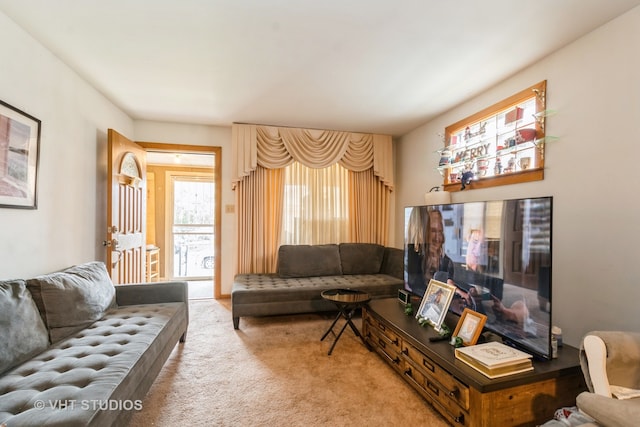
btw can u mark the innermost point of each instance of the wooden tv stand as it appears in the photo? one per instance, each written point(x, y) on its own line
point(458, 392)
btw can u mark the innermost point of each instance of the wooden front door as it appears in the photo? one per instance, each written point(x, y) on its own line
point(126, 209)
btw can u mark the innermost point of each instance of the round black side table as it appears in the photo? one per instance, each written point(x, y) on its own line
point(347, 301)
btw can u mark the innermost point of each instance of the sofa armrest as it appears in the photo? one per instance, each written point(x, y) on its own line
point(596, 352)
point(619, 359)
point(393, 262)
point(152, 293)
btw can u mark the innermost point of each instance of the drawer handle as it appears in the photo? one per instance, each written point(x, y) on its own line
point(395, 360)
point(395, 342)
point(428, 365)
point(381, 327)
point(405, 351)
point(455, 392)
point(382, 343)
point(433, 388)
point(459, 419)
point(408, 372)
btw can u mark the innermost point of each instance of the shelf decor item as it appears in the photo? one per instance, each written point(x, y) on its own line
point(19, 151)
point(435, 303)
point(470, 326)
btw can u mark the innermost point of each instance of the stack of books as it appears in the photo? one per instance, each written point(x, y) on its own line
point(495, 359)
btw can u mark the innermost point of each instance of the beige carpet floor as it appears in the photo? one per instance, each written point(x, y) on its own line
point(276, 371)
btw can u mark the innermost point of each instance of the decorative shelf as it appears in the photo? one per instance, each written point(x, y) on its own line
point(500, 145)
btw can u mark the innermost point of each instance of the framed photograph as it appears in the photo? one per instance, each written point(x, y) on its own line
point(435, 303)
point(470, 326)
point(19, 152)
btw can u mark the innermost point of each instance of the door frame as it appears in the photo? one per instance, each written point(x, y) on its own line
point(217, 177)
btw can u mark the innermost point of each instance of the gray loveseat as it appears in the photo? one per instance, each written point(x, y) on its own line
point(304, 271)
point(77, 351)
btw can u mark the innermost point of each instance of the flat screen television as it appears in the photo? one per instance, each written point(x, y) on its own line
point(497, 253)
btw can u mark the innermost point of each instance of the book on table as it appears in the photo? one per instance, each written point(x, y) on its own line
point(495, 359)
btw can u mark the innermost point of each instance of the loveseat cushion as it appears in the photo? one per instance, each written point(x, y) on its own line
point(361, 258)
point(308, 261)
point(72, 299)
point(22, 332)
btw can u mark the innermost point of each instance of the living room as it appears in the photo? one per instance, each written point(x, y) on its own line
point(591, 83)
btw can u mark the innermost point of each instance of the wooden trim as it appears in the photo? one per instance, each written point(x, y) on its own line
point(495, 181)
point(178, 148)
point(499, 106)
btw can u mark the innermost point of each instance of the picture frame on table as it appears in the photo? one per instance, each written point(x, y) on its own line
point(435, 303)
point(19, 157)
point(470, 326)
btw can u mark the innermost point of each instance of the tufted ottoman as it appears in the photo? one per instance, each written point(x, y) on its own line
point(98, 375)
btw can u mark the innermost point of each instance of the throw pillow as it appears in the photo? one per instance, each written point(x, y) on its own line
point(72, 299)
point(22, 332)
point(308, 261)
point(361, 258)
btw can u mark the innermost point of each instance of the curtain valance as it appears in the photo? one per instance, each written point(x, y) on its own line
point(276, 147)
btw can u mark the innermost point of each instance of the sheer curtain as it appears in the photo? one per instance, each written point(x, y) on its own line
point(316, 205)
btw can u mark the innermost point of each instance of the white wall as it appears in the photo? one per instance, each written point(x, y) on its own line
point(67, 227)
point(173, 133)
point(594, 84)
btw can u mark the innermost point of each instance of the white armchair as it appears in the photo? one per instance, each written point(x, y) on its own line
point(610, 362)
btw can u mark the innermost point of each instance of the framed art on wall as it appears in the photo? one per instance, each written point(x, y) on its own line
point(19, 153)
point(435, 303)
point(470, 326)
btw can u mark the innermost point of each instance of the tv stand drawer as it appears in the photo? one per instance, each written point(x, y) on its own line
point(382, 340)
point(433, 374)
point(441, 398)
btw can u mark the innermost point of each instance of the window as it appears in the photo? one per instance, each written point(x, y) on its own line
point(316, 205)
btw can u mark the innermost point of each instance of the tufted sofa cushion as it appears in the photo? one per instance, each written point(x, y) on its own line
point(265, 288)
point(308, 260)
point(361, 258)
point(269, 294)
point(22, 332)
point(72, 299)
point(110, 364)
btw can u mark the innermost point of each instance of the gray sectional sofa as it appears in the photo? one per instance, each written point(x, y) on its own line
point(77, 351)
point(304, 271)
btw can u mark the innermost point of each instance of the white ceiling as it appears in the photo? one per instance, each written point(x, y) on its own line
point(362, 65)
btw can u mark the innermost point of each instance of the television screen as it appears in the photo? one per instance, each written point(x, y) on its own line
point(497, 254)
